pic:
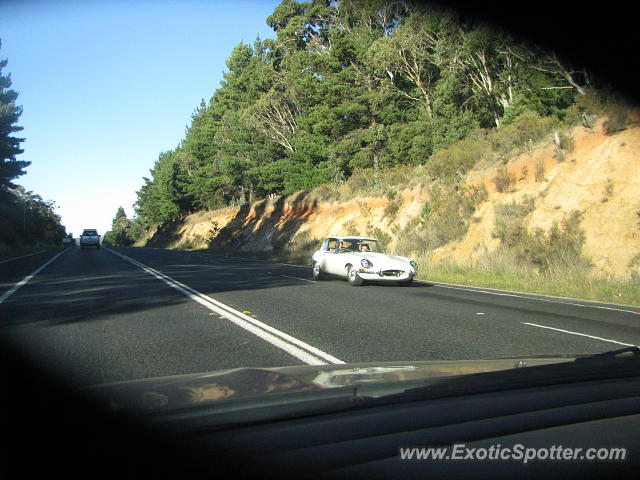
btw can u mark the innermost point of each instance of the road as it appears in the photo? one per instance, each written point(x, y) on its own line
point(103, 315)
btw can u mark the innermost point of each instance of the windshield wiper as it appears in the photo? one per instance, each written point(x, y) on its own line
point(616, 356)
point(607, 365)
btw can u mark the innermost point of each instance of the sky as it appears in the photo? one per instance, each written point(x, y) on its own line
point(107, 85)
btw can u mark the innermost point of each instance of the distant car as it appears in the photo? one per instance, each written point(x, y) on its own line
point(90, 238)
point(359, 259)
point(67, 242)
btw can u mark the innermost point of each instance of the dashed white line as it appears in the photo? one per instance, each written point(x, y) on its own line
point(579, 334)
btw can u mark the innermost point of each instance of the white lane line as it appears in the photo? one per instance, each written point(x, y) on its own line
point(249, 259)
point(298, 278)
point(26, 279)
point(532, 298)
point(580, 334)
point(299, 349)
point(21, 256)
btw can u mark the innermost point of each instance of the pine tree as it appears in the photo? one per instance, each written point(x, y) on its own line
point(10, 168)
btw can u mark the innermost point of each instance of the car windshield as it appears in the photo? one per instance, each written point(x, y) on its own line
point(288, 183)
point(356, 245)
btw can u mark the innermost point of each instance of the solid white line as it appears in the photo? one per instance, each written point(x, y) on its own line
point(298, 278)
point(580, 334)
point(293, 346)
point(26, 279)
point(531, 298)
point(256, 260)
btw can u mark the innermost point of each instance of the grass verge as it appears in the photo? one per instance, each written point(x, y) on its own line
point(568, 283)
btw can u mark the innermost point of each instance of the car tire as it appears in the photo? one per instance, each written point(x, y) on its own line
point(353, 278)
point(318, 274)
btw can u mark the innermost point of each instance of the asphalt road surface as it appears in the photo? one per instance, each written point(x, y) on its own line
point(102, 315)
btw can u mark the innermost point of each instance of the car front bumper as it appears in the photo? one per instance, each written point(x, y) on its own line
point(386, 275)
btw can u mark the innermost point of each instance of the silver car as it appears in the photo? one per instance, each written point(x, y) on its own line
point(90, 238)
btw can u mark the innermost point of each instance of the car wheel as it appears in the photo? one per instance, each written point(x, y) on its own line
point(318, 274)
point(353, 278)
point(404, 283)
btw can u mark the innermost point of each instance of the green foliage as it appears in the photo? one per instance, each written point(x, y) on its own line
point(393, 206)
point(618, 119)
point(458, 159)
point(351, 86)
point(159, 198)
point(122, 231)
point(527, 127)
point(383, 237)
point(23, 214)
point(446, 216)
point(504, 179)
point(10, 168)
point(559, 248)
point(510, 222)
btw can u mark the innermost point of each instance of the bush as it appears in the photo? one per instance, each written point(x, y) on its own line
point(393, 206)
point(447, 215)
point(526, 128)
point(504, 180)
point(384, 239)
point(560, 248)
point(459, 159)
point(540, 171)
point(618, 119)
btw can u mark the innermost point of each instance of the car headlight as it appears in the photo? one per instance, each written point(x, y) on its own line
point(413, 264)
point(366, 263)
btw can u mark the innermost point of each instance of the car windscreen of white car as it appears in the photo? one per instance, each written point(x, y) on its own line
point(361, 246)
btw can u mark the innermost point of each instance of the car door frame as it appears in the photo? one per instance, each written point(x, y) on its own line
point(329, 262)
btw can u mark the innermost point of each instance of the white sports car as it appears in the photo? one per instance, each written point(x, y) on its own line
point(359, 259)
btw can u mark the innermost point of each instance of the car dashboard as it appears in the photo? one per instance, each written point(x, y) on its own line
point(367, 443)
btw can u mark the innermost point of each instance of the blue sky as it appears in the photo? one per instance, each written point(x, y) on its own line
point(108, 85)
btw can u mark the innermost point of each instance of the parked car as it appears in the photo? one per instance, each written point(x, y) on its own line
point(360, 259)
point(89, 238)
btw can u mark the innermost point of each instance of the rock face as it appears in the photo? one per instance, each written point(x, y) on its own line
point(599, 176)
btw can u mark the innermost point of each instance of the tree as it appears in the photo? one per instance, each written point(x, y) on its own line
point(23, 216)
point(274, 115)
point(119, 214)
point(121, 230)
point(412, 57)
point(10, 168)
point(160, 198)
point(347, 85)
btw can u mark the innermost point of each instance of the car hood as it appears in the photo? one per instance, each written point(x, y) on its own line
point(381, 257)
point(183, 391)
